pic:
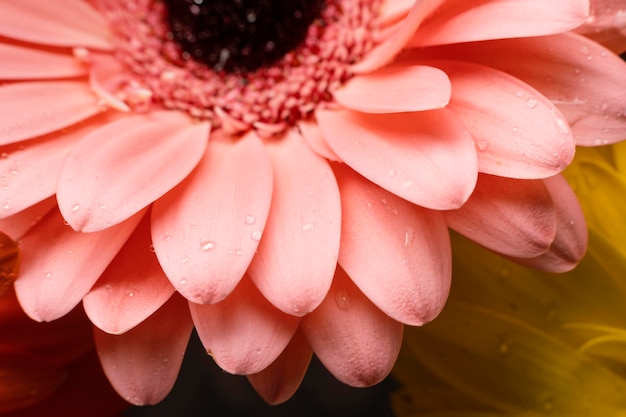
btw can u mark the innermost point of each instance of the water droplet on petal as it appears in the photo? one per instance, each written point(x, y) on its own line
point(184, 259)
point(532, 102)
point(206, 244)
point(392, 173)
point(183, 281)
point(249, 220)
point(307, 227)
point(75, 207)
point(342, 298)
point(482, 145)
point(256, 235)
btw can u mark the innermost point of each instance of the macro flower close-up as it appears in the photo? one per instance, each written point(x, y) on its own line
point(282, 175)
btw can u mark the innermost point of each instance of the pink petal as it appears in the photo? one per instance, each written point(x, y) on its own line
point(313, 137)
point(570, 242)
point(392, 10)
point(107, 75)
point(23, 63)
point(122, 167)
point(512, 217)
point(244, 333)
point(585, 81)
point(396, 89)
point(463, 21)
point(29, 170)
point(398, 254)
point(384, 52)
point(297, 256)
point(18, 224)
point(143, 363)
point(131, 288)
point(518, 132)
point(59, 266)
point(30, 109)
point(279, 381)
point(354, 340)
point(427, 157)
point(57, 23)
point(606, 24)
point(207, 230)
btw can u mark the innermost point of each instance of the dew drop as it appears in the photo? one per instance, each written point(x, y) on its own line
point(131, 294)
point(183, 281)
point(297, 308)
point(75, 207)
point(206, 244)
point(167, 236)
point(409, 235)
point(14, 171)
point(256, 235)
point(239, 252)
point(342, 298)
point(47, 274)
point(184, 259)
point(482, 145)
point(532, 102)
point(392, 173)
point(249, 220)
point(307, 227)
point(384, 201)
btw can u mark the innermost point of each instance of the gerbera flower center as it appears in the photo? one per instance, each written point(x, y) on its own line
point(240, 35)
point(240, 64)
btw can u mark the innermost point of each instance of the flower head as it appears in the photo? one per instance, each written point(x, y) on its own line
point(283, 203)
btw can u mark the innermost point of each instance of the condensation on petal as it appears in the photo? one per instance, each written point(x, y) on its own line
point(124, 166)
point(131, 288)
point(59, 265)
point(298, 253)
point(398, 254)
point(207, 230)
point(427, 158)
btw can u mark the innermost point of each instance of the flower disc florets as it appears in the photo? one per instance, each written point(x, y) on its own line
point(267, 93)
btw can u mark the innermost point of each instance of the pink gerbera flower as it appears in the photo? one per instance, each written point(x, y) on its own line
point(185, 163)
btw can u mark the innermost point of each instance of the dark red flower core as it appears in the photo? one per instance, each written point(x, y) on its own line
point(227, 74)
point(239, 36)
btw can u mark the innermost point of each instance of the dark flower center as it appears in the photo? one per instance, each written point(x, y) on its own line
point(240, 36)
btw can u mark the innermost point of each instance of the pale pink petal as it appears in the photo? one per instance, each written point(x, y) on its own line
point(29, 170)
point(207, 230)
point(142, 364)
point(570, 242)
point(509, 216)
point(518, 132)
point(298, 253)
point(131, 288)
point(57, 23)
point(464, 21)
point(18, 224)
point(384, 52)
point(244, 333)
point(122, 167)
point(396, 89)
point(606, 24)
point(23, 63)
point(393, 10)
point(354, 340)
point(397, 253)
point(30, 109)
point(313, 137)
point(59, 266)
point(279, 381)
point(426, 157)
point(584, 80)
